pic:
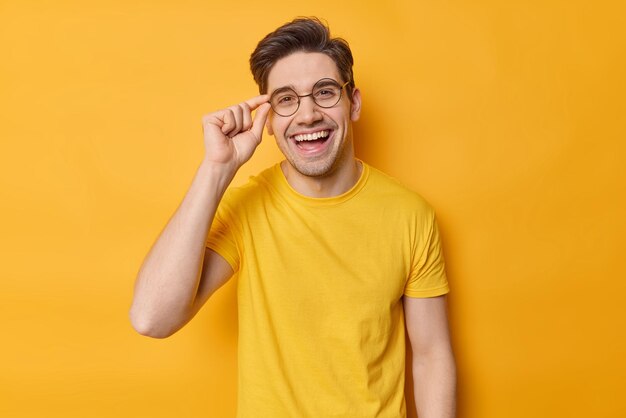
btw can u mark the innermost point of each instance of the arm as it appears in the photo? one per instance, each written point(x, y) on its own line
point(179, 274)
point(434, 370)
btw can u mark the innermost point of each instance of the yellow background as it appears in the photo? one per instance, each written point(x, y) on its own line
point(506, 116)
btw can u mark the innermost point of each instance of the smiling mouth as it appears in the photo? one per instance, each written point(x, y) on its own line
point(315, 136)
point(313, 142)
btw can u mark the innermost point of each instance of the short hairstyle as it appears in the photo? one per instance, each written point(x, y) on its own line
point(305, 34)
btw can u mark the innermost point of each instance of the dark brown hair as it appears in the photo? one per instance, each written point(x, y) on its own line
point(307, 34)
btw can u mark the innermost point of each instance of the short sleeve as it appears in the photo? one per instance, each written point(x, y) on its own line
point(222, 237)
point(427, 277)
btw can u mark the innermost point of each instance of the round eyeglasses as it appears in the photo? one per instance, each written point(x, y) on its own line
point(326, 93)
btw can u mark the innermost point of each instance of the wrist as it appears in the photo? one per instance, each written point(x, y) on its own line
point(218, 174)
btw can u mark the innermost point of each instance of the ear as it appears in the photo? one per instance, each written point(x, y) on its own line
point(355, 110)
point(268, 124)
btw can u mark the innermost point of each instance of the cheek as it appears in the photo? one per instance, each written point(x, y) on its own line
point(342, 118)
point(278, 126)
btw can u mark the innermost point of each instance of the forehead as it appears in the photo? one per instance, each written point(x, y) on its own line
point(301, 70)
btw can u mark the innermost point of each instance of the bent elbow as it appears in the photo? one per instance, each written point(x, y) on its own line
point(149, 327)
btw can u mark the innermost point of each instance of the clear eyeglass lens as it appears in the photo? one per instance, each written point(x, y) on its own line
point(285, 102)
point(326, 96)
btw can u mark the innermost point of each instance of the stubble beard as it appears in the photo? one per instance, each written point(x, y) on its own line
point(325, 167)
point(321, 167)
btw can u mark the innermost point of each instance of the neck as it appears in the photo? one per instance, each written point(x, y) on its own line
point(342, 179)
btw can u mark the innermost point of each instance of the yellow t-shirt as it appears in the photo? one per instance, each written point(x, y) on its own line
point(321, 323)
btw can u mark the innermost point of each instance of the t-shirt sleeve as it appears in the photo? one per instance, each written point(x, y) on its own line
point(222, 237)
point(427, 277)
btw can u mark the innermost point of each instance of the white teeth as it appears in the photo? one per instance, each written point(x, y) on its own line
point(311, 137)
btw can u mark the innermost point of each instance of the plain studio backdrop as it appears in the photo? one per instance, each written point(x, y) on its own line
point(506, 116)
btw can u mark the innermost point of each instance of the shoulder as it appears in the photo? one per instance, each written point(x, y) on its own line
point(389, 191)
point(256, 189)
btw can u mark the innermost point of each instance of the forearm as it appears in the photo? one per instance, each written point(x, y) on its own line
point(168, 279)
point(434, 376)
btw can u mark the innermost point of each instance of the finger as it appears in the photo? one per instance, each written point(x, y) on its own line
point(247, 116)
point(257, 101)
point(238, 115)
point(259, 120)
point(229, 122)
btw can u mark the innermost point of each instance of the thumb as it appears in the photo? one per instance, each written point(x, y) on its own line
point(259, 120)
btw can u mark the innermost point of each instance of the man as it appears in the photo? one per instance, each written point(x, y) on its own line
point(334, 258)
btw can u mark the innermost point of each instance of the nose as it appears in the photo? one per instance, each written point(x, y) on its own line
point(308, 112)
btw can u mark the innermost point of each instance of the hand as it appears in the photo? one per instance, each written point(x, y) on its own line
point(231, 135)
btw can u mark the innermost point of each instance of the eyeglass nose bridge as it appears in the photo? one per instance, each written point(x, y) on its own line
point(300, 97)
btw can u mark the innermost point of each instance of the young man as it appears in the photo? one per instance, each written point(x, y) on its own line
point(334, 258)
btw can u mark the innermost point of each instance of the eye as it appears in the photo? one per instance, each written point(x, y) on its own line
point(325, 92)
point(285, 99)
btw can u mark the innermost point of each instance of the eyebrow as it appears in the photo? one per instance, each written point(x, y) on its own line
point(326, 81)
point(283, 89)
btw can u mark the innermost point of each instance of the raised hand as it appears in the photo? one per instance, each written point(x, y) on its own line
point(231, 135)
point(179, 273)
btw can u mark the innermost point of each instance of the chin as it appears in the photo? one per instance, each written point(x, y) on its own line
point(324, 167)
point(321, 169)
